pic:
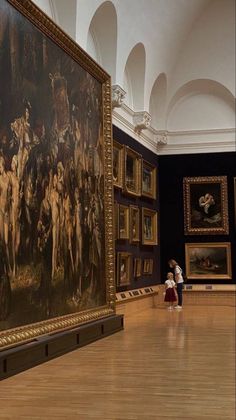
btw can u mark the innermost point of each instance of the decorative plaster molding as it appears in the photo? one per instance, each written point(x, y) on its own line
point(118, 96)
point(178, 142)
point(161, 139)
point(142, 120)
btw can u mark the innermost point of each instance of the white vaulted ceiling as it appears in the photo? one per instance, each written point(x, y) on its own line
point(175, 59)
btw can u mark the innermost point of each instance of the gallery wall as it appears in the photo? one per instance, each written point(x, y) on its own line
point(172, 170)
point(139, 250)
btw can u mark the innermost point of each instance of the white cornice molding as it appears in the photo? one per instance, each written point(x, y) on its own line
point(164, 142)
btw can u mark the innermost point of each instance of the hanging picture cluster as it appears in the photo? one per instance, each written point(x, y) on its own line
point(206, 213)
point(135, 222)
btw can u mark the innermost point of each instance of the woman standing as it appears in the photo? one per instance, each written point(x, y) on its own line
point(179, 281)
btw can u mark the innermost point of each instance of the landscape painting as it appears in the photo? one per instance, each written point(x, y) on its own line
point(208, 260)
point(52, 174)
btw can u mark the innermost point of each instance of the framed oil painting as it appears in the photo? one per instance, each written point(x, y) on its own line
point(148, 180)
point(149, 226)
point(123, 268)
point(132, 172)
point(137, 267)
point(123, 222)
point(118, 161)
point(134, 236)
point(206, 206)
point(148, 266)
point(56, 210)
point(208, 261)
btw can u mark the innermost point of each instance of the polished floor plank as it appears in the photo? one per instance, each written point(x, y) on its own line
point(164, 365)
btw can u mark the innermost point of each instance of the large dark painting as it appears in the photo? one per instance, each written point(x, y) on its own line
point(55, 159)
point(206, 205)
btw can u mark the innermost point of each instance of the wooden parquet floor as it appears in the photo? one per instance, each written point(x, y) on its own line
point(164, 365)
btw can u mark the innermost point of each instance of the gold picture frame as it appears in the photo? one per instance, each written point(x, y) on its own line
point(147, 266)
point(148, 180)
point(70, 95)
point(134, 222)
point(123, 223)
point(118, 162)
point(123, 269)
point(205, 205)
point(137, 267)
point(132, 172)
point(208, 260)
point(149, 227)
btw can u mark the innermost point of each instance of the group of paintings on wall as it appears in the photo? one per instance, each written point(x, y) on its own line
point(56, 257)
point(137, 178)
point(131, 173)
point(127, 224)
point(128, 267)
point(206, 213)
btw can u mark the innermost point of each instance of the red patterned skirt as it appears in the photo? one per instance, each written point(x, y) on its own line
point(170, 295)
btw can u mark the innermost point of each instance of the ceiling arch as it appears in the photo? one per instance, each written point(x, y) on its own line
point(135, 72)
point(201, 104)
point(103, 33)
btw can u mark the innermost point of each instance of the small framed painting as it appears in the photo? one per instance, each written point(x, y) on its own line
point(206, 206)
point(148, 180)
point(123, 222)
point(123, 268)
point(208, 260)
point(134, 224)
point(137, 267)
point(118, 161)
point(132, 172)
point(149, 226)
point(148, 266)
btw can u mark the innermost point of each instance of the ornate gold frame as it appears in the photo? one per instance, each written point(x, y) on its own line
point(127, 257)
point(120, 149)
point(15, 336)
point(125, 233)
point(153, 240)
point(189, 229)
point(136, 191)
point(152, 169)
point(134, 236)
point(204, 265)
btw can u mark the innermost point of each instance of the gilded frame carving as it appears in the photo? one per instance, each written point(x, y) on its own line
point(15, 336)
point(148, 180)
point(149, 227)
point(205, 205)
point(208, 260)
point(132, 172)
point(118, 162)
